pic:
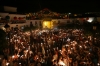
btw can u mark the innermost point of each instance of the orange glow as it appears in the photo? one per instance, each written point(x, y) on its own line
point(47, 24)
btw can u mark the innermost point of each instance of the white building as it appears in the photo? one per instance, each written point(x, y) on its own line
point(20, 20)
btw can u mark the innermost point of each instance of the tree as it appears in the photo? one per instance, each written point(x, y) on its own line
point(3, 41)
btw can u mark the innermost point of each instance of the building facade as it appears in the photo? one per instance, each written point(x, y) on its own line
point(46, 20)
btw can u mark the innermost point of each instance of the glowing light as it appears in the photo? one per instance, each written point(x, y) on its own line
point(75, 14)
point(61, 63)
point(67, 45)
point(68, 39)
point(47, 24)
point(69, 13)
point(90, 19)
point(13, 56)
point(7, 64)
point(80, 46)
point(98, 64)
point(19, 63)
point(3, 28)
point(71, 48)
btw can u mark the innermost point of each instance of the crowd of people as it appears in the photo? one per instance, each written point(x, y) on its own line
point(59, 47)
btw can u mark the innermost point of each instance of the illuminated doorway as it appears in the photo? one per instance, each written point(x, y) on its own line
point(47, 24)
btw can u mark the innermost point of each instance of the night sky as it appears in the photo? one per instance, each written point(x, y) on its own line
point(61, 6)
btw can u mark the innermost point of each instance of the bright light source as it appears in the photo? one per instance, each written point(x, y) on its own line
point(7, 64)
point(90, 19)
point(98, 64)
point(61, 63)
point(13, 56)
point(47, 24)
point(19, 63)
point(69, 13)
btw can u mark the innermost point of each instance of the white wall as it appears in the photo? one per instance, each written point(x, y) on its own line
point(27, 23)
point(64, 20)
point(3, 15)
point(15, 15)
point(33, 22)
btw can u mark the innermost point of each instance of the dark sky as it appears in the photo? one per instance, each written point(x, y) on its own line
point(61, 6)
